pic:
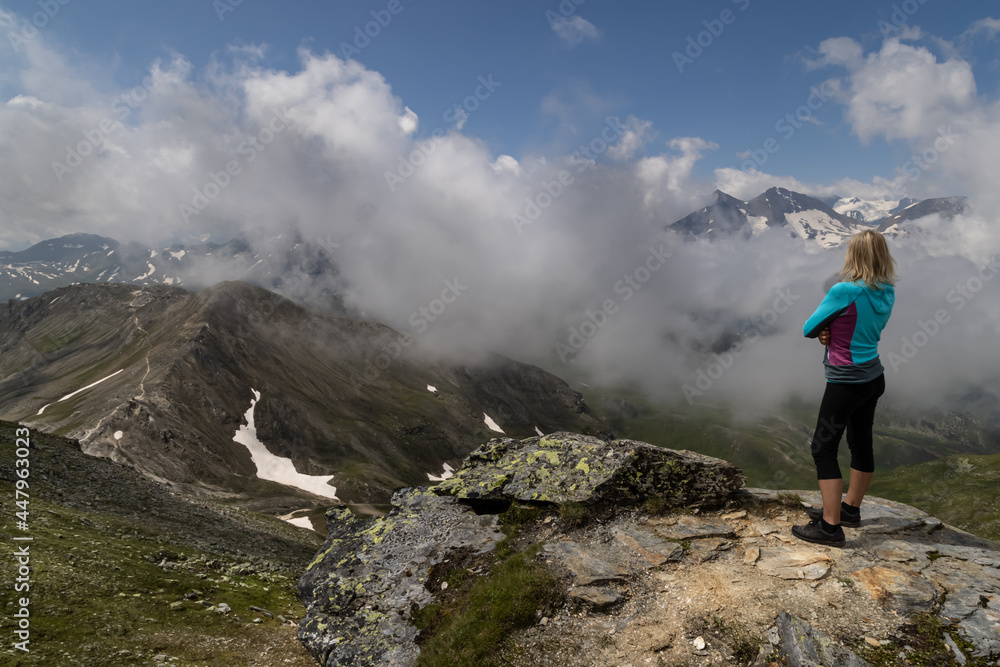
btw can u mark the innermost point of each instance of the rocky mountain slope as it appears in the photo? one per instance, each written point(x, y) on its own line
point(125, 572)
point(566, 550)
point(235, 389)
point(946, 207)
point(299, 268)
point(778, 208)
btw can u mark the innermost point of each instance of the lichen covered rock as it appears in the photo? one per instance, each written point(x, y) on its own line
point(567, 467)
point(361, 586)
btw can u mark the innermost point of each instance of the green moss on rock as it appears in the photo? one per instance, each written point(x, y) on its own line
point(568, 467)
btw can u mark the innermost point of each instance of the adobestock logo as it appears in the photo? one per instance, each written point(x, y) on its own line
point(787, 126)
point(40, 19)
point(697, 44)
point(585, 158)
point(122, 108)
point(456, 115)
point(420, 320)
point(222, 179)
point(750, 333)
point(919, 163)
point(927, 329)
point(630, 283)
point(364, 35)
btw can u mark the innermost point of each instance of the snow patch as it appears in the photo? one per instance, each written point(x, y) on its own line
point(276, 468)
point(89, 386)
point(538, 431)
point(118, 435)
point(152, 270)
point(179, 254)
point(871, 210)
point(492, 424)
point(758, 223)
point(431, 389)
point(301, 521)
point(447, 472)
point(819, 227)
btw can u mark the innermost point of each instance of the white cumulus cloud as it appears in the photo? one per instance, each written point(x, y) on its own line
point(574, 30)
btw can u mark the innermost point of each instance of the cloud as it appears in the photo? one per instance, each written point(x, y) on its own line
point(748, 184)
point(574, 30)
point(666, 180)
point(591, 225)
point(842, 51)
point(637, 134)
point(506, 163)
point(408, 122)
point(900, 91)
point(988, 27)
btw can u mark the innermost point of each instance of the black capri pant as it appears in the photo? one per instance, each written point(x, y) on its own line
point(850, 407)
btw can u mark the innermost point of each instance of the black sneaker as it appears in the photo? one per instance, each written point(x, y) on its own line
point(849, 520)
point(813, 532)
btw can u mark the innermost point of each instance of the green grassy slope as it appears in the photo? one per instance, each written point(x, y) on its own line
point(779, 441)
point(122, 570)
point(961, 490)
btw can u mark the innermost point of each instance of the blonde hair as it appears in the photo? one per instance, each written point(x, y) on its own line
point(868, 260)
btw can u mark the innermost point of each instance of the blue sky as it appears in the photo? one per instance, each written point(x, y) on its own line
point(554, 94)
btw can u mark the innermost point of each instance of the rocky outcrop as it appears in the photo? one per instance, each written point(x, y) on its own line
point(671, 563)
point(362, 585)
point(566, 467)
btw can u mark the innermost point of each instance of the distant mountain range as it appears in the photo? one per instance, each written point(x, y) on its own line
point(236, 390)
point(946, 207)
point(870, 211)
point(288, 264)
point(809, 218)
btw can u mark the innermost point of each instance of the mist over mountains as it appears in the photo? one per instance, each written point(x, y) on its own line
point(659, 330)
point(560, 280)
point(288, 264)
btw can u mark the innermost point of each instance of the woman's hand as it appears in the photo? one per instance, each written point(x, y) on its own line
point(824, 336)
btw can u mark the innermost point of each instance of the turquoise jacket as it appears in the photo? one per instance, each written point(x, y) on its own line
point(856, 315)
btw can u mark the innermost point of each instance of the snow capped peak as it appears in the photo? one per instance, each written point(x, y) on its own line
point(866, 210)
point(806, 217)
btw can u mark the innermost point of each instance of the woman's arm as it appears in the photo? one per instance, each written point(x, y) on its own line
point(839, 297)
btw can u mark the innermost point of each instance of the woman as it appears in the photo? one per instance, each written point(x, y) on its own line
point(849, 323)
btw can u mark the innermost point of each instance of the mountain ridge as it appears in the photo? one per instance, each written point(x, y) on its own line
point(287, 263)
point(163, 379)
point(806, 217)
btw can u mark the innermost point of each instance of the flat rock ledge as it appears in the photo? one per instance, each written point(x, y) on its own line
point(655, 589)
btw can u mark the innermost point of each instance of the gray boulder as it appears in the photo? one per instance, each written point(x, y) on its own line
point(567, 467)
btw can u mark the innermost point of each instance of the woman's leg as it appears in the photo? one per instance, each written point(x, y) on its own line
point(859, 439)
point(858, 487)
point(831, 490)
point(834, 411)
